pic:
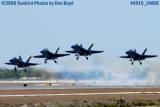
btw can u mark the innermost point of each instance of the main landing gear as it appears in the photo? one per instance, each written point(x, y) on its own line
point(25, 70)
point(77, 58)
point(132, 62)
point(55, 61)
point(140, 62)
point(15, 69)
point(86, 57)
point(45, 61)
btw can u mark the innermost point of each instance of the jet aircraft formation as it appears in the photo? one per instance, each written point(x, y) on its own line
point(78, 50)
point(46, 54)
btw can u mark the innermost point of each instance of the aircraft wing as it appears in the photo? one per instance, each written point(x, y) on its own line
point(149, 56)
point(124, 57)
point(39, 56)
point(94, 52)
point(72, 51)
point(61, 55)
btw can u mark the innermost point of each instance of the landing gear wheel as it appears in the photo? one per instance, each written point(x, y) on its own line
point(55, 61)
point(45, 61)
point(140, 63)
point(132, 63)
point(25, 70)
point(87, 58)
point(77, 58)
point(25, 85)
point(15, 69)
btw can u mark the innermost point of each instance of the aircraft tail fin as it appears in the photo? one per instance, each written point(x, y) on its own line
point(81, 46)
point(144, 51)
point(57, 50)
point(29, 59)
point(90, 47)
point(20, 58)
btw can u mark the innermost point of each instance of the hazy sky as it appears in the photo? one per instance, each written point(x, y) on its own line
point(112, 25)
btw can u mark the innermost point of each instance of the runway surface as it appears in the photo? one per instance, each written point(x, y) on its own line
point(62, 92)
point(28, 96)
point(78, 94)
point(42, 85)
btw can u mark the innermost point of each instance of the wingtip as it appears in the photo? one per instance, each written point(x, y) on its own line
point(101, 51)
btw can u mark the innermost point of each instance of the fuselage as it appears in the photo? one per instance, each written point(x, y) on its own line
point(19, 63)
point(80, 50)
point(134, 55)
point(47, 54)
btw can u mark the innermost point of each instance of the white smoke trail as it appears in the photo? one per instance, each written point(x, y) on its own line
point(110, 71)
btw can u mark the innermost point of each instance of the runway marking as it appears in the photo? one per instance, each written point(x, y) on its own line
point(78, 94)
